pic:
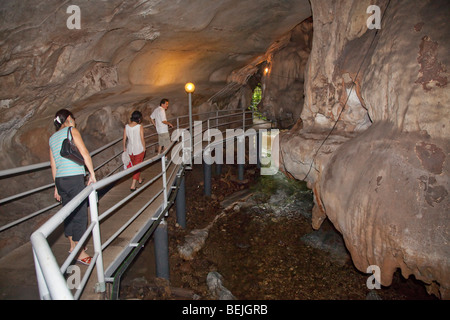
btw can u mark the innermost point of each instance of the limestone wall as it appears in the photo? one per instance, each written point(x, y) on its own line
point(379, 167)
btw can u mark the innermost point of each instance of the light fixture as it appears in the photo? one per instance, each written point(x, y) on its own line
point(189, 87)
point(266, 70)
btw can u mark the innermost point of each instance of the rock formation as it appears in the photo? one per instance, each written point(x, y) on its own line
point(374, 139)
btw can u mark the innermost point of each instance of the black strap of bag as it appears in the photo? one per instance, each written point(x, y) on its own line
point(69, 150)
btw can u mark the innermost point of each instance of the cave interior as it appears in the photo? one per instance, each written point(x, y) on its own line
point(358, 90)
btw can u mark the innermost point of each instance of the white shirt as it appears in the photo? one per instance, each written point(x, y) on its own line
point(134, 139)
point(159, 115)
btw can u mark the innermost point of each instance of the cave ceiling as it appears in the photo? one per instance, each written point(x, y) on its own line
point(46, 60)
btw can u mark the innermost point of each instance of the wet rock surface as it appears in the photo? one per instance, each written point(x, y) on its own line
point(262, 247)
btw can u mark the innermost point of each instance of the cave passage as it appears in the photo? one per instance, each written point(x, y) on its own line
point(256, 99)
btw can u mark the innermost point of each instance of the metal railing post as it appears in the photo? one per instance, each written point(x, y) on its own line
point(191, 143)
point(162, 251)
point(240, 156)
point(93, 208)
point(181, 203)
point(258, 148)
point(217, 119)
point(187, 154)
point(164, 178)
point(207, 178)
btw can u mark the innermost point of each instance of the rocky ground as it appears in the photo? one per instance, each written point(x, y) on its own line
point(254, 240)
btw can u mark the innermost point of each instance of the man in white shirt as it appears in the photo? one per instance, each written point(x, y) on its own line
point(161, 124)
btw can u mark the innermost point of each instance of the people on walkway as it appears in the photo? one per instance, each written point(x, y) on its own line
point(159, 120)
point(134, 133)
point(69, 179)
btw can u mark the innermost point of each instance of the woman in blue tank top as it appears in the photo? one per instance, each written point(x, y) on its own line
point(69, 179)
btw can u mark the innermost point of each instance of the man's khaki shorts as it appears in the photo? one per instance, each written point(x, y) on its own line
point(164, 139)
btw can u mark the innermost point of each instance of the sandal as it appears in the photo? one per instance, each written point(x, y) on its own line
point(86, 261)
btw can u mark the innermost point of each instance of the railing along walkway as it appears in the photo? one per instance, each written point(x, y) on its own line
point(138, 213)
point(123, 224)
point(19, 264)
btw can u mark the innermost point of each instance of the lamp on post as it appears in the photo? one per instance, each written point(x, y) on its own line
point(189, 88)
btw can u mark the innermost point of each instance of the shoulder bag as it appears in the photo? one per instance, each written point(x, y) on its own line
point(69, 150)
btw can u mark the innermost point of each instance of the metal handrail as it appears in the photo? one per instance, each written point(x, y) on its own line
point(50, 277)
point(32, 167)
point(44, 165)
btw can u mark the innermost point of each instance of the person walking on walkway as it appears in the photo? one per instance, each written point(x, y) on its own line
point(69, 179)
point(161, 124)
point(134, 133)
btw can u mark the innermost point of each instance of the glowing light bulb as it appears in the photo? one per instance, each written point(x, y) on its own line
point(189, 87)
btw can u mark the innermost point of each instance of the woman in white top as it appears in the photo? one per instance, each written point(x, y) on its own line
point(134, 132)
